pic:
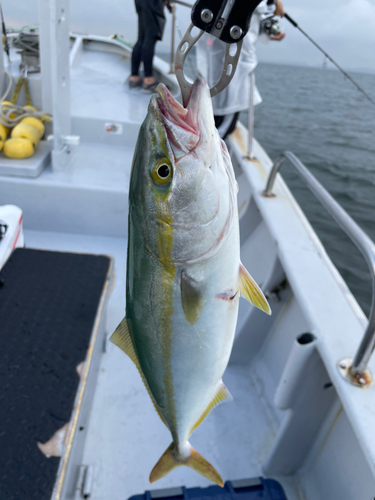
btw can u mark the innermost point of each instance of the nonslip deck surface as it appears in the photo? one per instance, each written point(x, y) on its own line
point(48, 305)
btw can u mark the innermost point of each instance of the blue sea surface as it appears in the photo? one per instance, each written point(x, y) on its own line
point(323, 119)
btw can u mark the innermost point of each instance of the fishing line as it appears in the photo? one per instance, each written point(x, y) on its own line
point(330, 58)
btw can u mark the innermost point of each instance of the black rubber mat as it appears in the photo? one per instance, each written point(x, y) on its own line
point(48, 304)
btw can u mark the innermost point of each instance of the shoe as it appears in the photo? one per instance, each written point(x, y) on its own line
point(151, 88)
point(135, 85)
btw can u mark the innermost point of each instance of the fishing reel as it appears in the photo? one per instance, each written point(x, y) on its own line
point(270, 26)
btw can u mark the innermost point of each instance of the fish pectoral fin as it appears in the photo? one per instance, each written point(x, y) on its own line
point(123, 339)
point(251, 291)
point(191, 298)
point(221, 395)
point(171, 459)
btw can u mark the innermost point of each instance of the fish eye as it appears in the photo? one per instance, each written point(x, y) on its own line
point(161, 172)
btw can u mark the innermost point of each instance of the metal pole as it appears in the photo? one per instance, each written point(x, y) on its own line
point(354, 371)
point(171, 69)
point(54, 53)
point(250, 117)
point(185, 4)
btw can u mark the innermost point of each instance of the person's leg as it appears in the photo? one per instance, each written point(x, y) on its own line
point(148, 50)
point(218, 120)
point(233, 124)
point(226, 124)
point(153, 32)
point(137, 49)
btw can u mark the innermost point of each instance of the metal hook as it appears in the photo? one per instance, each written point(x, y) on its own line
point(229, 68)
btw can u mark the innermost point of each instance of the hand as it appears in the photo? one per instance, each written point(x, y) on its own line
point(280, 36)
point(279, 10)
point(169, 4)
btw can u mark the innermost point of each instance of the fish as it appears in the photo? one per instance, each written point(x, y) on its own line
point(184, 274)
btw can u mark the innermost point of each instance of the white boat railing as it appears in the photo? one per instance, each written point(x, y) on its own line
point(250, 117)
point(353, 370)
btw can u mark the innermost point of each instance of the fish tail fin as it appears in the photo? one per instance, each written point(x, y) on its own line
point(171, 459)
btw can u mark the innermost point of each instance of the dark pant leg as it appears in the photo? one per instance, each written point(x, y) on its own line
point(219, 119)
point(148, 50)
point(137, 49)
point(233, 124)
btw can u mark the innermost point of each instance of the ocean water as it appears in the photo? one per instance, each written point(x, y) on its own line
point(324, 120)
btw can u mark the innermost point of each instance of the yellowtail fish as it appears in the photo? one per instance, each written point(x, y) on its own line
point(184, 275)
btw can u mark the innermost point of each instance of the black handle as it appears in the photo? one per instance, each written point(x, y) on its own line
point(239, 17)
point(290, 20)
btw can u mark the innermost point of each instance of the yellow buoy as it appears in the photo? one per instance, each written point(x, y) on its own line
point(1, 145)
point(3, 132)
point(18, 148)
point(35, 122)
point(12, 115)
point(28, 106)
point(26, 131)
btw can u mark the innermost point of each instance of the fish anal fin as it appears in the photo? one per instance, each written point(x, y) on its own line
point(123, 339)
point(191, 298)
point(251, 291)
point(221, 395)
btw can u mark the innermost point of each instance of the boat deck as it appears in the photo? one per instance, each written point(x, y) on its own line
point(84, 209)
point(126, 438)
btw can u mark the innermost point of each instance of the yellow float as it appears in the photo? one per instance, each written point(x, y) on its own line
point(3, 133)
point(35, 122)
point(18, 148)
point(26, 131)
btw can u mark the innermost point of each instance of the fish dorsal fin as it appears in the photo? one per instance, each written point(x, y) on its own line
point(123, 339)
point(221, 395)
point(191, 298)
point(251, 291)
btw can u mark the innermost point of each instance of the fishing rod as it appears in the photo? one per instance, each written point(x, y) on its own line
point(330, 58)
point(5, 38)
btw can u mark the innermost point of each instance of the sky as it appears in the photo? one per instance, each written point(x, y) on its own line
point(344, 28)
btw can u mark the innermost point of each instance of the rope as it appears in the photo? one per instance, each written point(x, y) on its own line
point(17, 90)
point(28, 42)
point(10, 82)
point(11, 114)
point(27, 92)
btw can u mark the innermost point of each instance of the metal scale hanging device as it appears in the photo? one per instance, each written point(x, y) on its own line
point(227, 20)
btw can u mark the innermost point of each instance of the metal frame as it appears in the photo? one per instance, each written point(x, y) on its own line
point(54, 59)
point(354, 371)
point(173, 31)
point(250, 117)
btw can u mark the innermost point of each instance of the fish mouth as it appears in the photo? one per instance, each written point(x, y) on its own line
point(185, 127)
point(172, 109)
